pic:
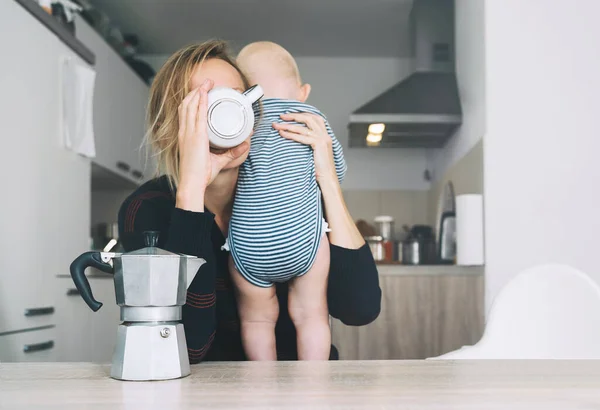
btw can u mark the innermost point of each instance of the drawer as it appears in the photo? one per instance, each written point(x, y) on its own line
point(26, 293)
point(26, 314)
point(29, 346)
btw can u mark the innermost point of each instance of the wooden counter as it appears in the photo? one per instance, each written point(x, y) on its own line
point(426, 311)
point(415, 270)
point(474, 385)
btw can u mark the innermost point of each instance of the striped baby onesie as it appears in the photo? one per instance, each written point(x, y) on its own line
point(277, 221)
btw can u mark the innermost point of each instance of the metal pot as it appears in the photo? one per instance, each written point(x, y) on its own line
point(419, 247)
point(150, 287)
point(411, 252)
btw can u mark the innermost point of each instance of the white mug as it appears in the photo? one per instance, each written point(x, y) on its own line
point(230, 115)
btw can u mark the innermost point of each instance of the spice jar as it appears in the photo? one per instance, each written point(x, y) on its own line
point(385, 226)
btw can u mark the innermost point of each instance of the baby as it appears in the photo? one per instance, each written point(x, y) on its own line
point(277, 230)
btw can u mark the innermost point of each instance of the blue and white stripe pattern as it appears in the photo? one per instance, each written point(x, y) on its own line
point(277, 221)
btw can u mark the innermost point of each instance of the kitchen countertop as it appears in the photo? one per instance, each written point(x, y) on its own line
point(535, 384)
point(382, 268)
point(419, 270)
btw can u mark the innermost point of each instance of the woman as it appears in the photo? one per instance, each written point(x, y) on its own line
point(191, 203)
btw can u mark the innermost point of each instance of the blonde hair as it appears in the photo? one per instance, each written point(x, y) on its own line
point(170, 86)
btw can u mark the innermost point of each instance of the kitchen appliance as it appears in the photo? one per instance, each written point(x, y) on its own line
point(419, 246)
point(376, 245)
point(424, 109)
point(446, 203)
point(447, 238)
point(230, 115)
point(150, 288)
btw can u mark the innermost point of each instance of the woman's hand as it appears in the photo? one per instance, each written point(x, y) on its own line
point(343, 230)
point(198, 166)
point(314, 134)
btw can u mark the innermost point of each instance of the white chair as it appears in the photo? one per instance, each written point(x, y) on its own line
point(546, 312)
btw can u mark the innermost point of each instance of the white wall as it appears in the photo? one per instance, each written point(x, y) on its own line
point(542, 172)
point(470, 73)
point(341, 85)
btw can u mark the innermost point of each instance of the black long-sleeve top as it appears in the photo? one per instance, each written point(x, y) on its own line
point(210, 315)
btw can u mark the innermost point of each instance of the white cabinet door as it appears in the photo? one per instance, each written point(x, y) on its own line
point(120, 99)
point(29, 346)
point(84, 335)
point(44, 214)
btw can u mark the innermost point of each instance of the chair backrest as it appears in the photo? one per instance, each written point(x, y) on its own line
point(546, 312)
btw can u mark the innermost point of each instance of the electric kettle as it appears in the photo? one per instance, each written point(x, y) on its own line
point(230, 115)
point(151, 287)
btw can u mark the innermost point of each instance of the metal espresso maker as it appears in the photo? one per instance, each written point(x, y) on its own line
point(150, 286)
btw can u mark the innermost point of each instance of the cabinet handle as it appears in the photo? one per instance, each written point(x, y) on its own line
point(123, 166)
point(39, 311)
point(37, 347)
point(137, 174)
point(73, 292)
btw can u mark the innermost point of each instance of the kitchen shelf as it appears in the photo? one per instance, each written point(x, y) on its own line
point(61, 32)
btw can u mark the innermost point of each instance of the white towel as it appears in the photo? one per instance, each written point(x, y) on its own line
point(78, 106)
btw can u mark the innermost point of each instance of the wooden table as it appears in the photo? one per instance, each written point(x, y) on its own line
point(318, 385)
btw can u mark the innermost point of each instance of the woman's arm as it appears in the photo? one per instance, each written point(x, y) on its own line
point(354, 295)
point(183, 232)
point(343, 229)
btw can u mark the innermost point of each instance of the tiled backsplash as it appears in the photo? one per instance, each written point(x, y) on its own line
point(407, 207)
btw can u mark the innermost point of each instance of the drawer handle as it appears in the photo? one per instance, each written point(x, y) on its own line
point(123, 166)
point(38, 347)
point(137, 174)
point(73, 292)
point(39, 311)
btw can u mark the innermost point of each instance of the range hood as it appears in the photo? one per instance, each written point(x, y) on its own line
point(423, 110)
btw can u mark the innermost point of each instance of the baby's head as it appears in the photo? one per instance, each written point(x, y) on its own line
point(274, 69)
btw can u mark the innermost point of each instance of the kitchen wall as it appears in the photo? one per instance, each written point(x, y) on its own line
point(541, 145)
point(341, 85)
point(470, 74)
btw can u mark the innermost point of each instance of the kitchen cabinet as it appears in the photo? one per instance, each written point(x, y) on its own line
point(423, 314)
point(84, 335)
point(120, 100)
point(44, 212)
point(30, 346)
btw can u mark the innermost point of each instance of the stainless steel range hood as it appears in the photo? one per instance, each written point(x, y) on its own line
point(424, 109)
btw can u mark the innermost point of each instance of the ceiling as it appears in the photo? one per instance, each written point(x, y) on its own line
point(365, 28)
